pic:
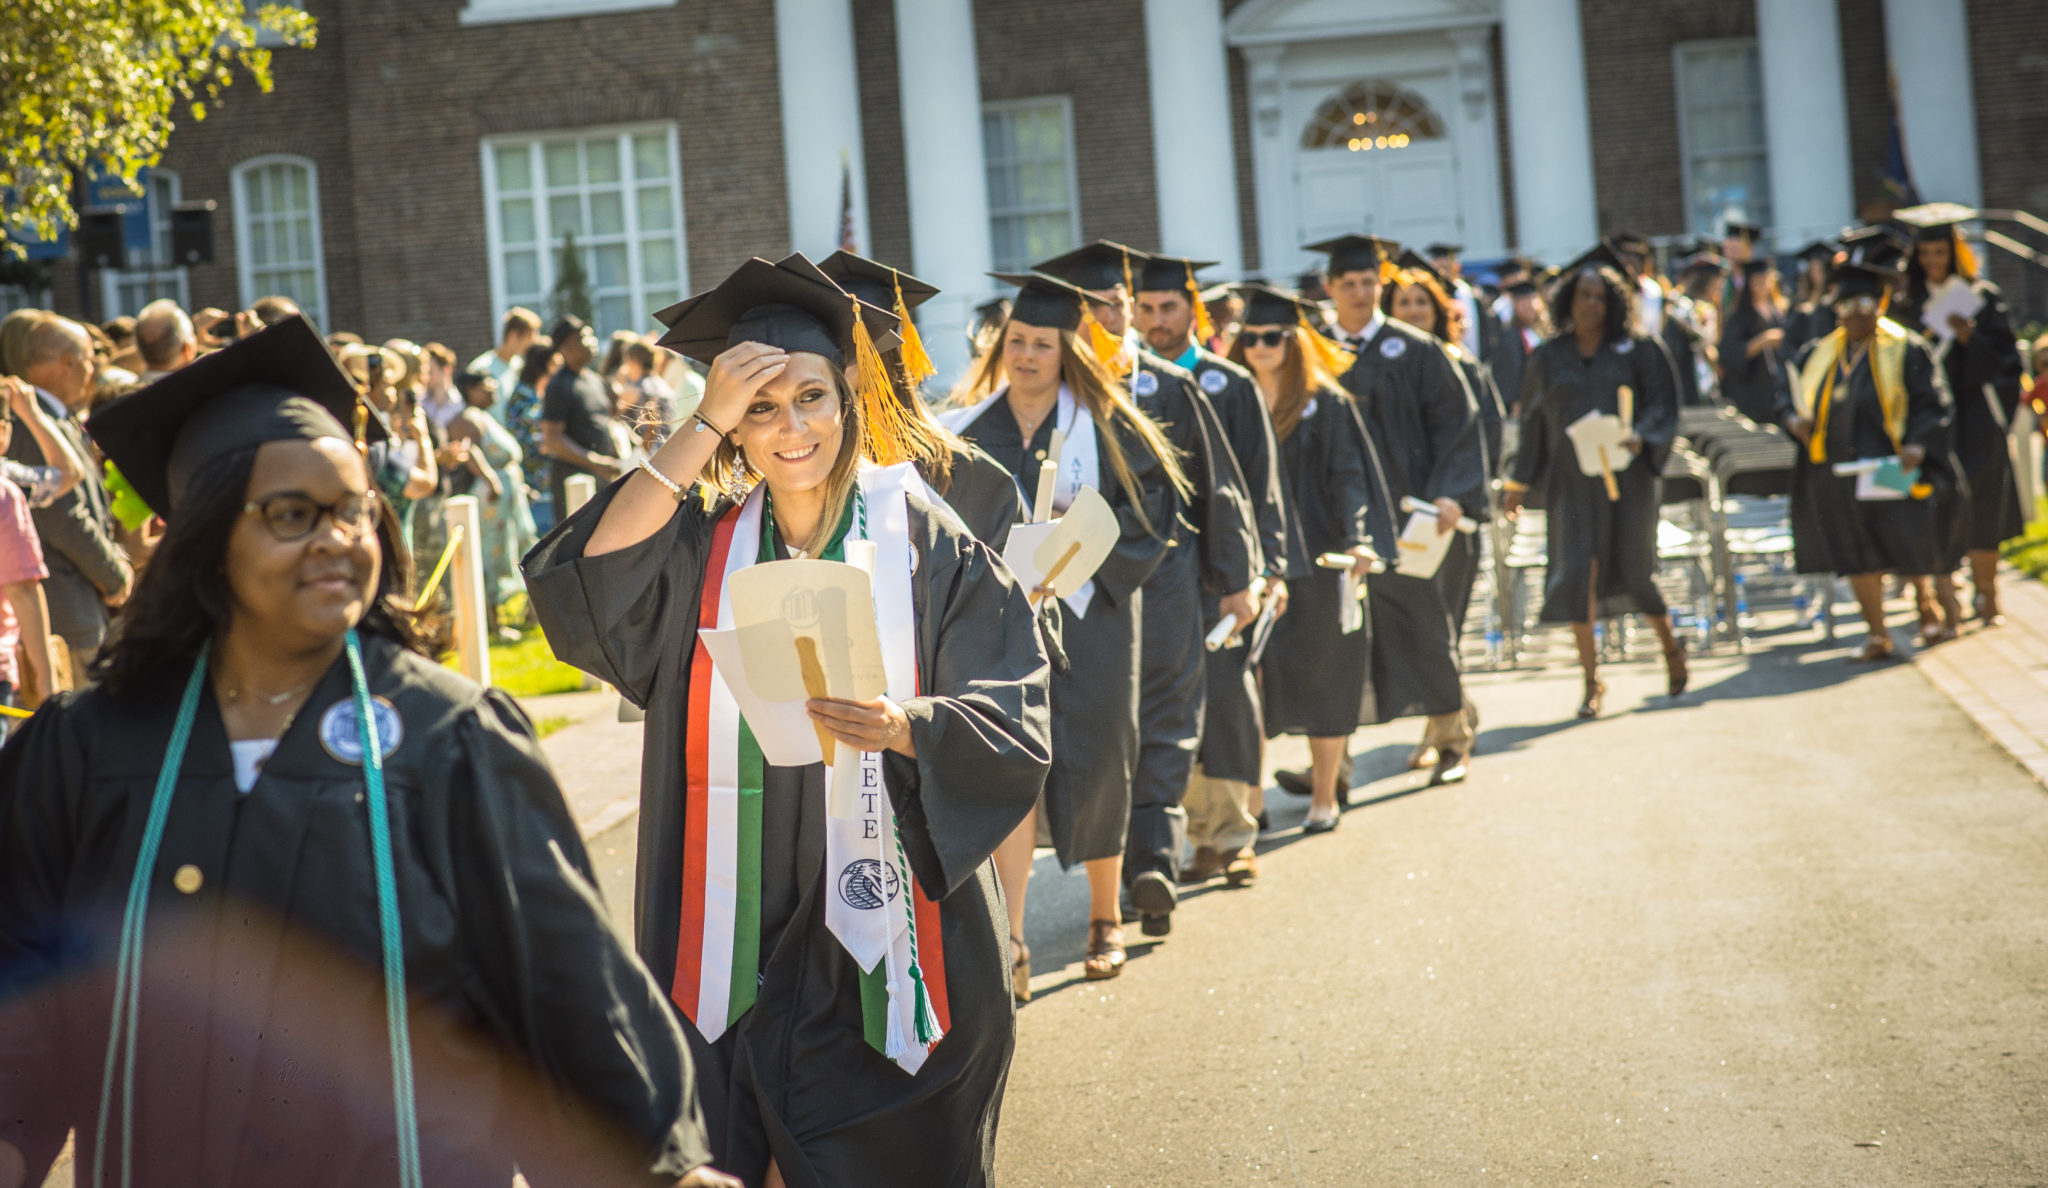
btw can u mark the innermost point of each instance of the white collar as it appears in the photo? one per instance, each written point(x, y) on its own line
point(1372, 328)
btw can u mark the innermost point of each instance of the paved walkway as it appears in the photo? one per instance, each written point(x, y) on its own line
point(1999, 676)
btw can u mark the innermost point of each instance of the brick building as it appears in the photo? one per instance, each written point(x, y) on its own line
point(416, 171)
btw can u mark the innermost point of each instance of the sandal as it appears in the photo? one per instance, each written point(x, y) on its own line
point(1987, 611)
point(1421, 757)
point(1105, 950)
point(1876, 648)
point(1932, 634)
point(1590, 707)
point(1675, 669)
point(1020, 970)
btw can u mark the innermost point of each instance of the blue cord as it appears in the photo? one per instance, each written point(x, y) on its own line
point(409, 1171)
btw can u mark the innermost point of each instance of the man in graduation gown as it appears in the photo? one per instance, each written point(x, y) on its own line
point(1228, 765)
point(1424, 424)
point(1215, 549)
point(1482, 330)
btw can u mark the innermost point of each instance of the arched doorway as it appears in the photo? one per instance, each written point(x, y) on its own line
point(1375, 157)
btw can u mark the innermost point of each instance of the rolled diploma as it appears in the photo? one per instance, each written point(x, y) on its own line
point(1221, 634)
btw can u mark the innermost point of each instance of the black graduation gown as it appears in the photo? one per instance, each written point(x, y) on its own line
point(1558, 388)
point(1231, 726)
point(1215, 552)
point(984, 494)
point(1750, 382)
point(1681, 342)
point(1424, 428)
point(1807, 324)
point(1095, 701)
point(1507, 364)
point(1314, 679)
point(1833, 531)
point(263, 1050)
point(1984, 380)
point(1460, 569)
point(794, 1078)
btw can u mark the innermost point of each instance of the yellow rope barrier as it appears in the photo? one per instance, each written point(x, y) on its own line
point(441, 566)
point(8, 711)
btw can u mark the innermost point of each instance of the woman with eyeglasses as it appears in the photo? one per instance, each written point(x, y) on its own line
point(283, 900)
point(1316, 678)
point(1867, 391)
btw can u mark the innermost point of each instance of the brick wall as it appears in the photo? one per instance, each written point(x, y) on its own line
point(2009, 65)
point(1501, 116)
point(1867, 88)
point(881, 131)
point(1095, 53)
point(1241, 165)
point(1632, 97)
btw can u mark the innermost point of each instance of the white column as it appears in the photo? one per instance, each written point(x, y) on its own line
point(1806, 120)
point(946, 171)
point(1280, 254)
point(1193, 156)
point(1928, 42)
point(820, 121)
point(1556, 215)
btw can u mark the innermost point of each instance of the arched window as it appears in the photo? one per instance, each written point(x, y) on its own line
point(1372, 115)
point(277, 233)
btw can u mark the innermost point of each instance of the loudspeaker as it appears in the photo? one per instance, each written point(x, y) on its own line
point(102, 237)
point(192, 233)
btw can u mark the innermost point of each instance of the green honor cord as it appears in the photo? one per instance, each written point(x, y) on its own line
point(122, 1033)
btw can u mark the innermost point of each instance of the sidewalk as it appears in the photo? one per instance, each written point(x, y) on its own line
point(596, 757)
point(1999, 675)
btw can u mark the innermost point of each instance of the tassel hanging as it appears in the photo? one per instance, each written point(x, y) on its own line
point(1334, 359)
point(917, 364)
point(1106, 347)
point(1205, 326)
point(890, 431)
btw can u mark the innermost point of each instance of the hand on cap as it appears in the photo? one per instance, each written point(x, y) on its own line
point(736, 376)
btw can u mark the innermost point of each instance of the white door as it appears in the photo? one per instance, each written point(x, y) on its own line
point(1374, 158)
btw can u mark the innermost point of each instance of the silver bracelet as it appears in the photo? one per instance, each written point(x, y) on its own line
point(674, 489)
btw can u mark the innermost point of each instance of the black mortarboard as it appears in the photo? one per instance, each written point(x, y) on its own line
point(278, 384)
point(1706, 262)
point(1853, 279)
point(1934, 220)
point(1159, 273)
point(1521, 288)
point(1354, 253)
point(875, 282)
point(1819, 249)
point(1601, 255)
point(1097, 267)
point(1045, 300)
point(1629, 241)
point(1879, 244)
point(1742, 230)
point(994, 310)
point(1756, 267)
point(1265, 305)
point(1414, 262)
point(1443, 249)
point(791, 305)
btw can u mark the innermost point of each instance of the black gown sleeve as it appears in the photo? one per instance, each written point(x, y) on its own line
point(1534, 448)
point(1348, 488)
point(1787, 397)
point(606, 615)
point(1486, 394)
point(556, 978)
point(1450, 423)
point(983, 729)
point(1258, 460)
point(1656, 400)
point(1992, 359)
point(1930, 407)
point(1140, 548)
point(1222, 510)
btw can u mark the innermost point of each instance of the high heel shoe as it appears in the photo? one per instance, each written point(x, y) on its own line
point(1020, 970)
point(1590, 707)
point(1675, 669)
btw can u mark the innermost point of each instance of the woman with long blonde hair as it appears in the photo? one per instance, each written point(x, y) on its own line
point(1041, 394)
point(1317, 676)
point(839, 974)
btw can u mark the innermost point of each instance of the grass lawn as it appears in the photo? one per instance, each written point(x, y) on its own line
point(529, 669)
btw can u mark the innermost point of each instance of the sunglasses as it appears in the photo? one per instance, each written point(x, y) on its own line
point(1268, 338)
point(1863, 304)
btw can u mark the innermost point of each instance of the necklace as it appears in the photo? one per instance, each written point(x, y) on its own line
point(1853, 357)
point(233, 695)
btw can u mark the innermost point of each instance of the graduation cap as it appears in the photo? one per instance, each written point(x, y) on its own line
point(1630, 241)
point(1756, 267)
point(1854, 279)
point(1045, 301)
point(793, 305)
point(1877, 244)
point(278, 384)
point(1096, 268)
point(1521, 288)
point(1737, 229)
point(1158, 274)
point(1819, 249)
point(1604, 254)
point(1444, 249)
point(995, 310)
point(1934, 220)
point(1354, 253)
point(1413, 262)
point(1712, 262)
point(1265, 305)
point(892, 289)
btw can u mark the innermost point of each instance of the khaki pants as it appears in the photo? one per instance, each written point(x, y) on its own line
point(1222, 814)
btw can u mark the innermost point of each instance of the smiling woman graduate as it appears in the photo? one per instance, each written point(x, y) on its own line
point(819, 1067)
point(283, 901)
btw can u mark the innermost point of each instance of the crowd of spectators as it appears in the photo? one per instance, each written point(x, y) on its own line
point(510, 429)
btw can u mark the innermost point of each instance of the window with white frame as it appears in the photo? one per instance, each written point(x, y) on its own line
point(1721, 126)
point(150, 274)
point(1029, 147)
point(618, 191)
point(277, 233)
point(492, 12)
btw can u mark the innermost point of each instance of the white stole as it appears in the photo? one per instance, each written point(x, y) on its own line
point(1079, 463)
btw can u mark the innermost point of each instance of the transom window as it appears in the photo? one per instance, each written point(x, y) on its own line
point(1371, 115)
point(277, 233)
point(617, 191)
point(1721, 125)
point(1028, 145)
point(150, 273)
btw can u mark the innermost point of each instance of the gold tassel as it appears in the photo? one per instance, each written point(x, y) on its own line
point(888, 426)
point(1129, 288)
point(1965, 259)
point(362, 426)
point(1335, 359)
point(917, 364)
point(1105, 345)
point(1205, 326)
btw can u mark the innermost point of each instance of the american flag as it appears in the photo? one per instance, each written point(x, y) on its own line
point(846, 230)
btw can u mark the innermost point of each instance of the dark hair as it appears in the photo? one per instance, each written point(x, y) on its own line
point(534, 364)
point(1621, 313)
point(1960, 263)
point(182, 596)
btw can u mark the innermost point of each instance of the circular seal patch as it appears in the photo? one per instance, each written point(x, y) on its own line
point(1144, 384)
point(866, 884)
point(338, 732)
point(1394, 348)
point(1624, 346)
point(1213, 381)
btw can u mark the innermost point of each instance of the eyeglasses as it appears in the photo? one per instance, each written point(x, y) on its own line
point(291, 516)
point(1863, 304)
point(1268, 338)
